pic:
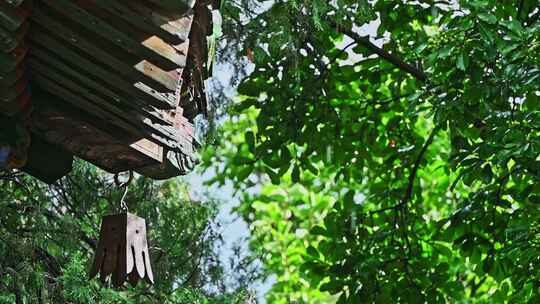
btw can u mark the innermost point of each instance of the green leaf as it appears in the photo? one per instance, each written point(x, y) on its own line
point(443, 249)
point(318, 230)
point(535, 199)
point(244, 172)
point(333, 287)
point(442, 268)
point(487, 174)
point(513, 26)
point(462, 61)
point(510, 48)
point(487, 17)
point(296, 174)
point(250, 140)
point(313, 252)
point(358, 127)
point(487, 35)
point(445, 52)
point(274, 177)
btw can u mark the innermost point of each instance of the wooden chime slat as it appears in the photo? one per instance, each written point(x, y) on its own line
point(123, 250)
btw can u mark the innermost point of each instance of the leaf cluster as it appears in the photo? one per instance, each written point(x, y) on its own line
point(418, 161)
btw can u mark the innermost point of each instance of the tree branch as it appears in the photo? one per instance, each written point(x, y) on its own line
point(393, 59)
point(405, 201)
point(412, 175)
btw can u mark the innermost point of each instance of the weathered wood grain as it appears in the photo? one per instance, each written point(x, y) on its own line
point(104, 145)
point(176, 5)
point(9, 40)
point(9, 61)
point(12, 17)
point(74, 58)
point(124, 11)
point(123, 250)
point(75, 12)
point(94, 85)
point(119, 61)
point(9, 78)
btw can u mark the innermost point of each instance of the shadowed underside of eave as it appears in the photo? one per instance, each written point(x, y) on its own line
point(117, 83)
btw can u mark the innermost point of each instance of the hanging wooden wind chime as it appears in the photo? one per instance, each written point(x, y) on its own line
point(123, 248)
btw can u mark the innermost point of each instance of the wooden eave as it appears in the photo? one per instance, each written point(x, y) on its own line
point(117, 83)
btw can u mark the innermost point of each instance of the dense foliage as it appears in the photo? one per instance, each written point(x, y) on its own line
point(406, 172)
point(48, 237)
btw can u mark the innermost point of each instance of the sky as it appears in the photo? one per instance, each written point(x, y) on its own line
point(235, 230)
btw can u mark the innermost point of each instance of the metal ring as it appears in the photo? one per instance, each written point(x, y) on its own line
point(124, 184)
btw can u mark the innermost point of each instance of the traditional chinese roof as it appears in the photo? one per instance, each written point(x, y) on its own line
point(117, 83)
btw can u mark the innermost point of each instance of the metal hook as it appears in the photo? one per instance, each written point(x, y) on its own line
point(123, 205)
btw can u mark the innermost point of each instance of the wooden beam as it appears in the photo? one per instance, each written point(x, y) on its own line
point(12, 17)
point(13, 107)
point(10, 78)
point(92, 47)
point(96, 86)
point(91, 139)
point(149, 149)
point(177, 5)
point(82, 98)
point(175, 22)
point(9, 61)
point(47, 162)
point(124, 11)
point(73, 10)
point(74, 58)
point(9, 41)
